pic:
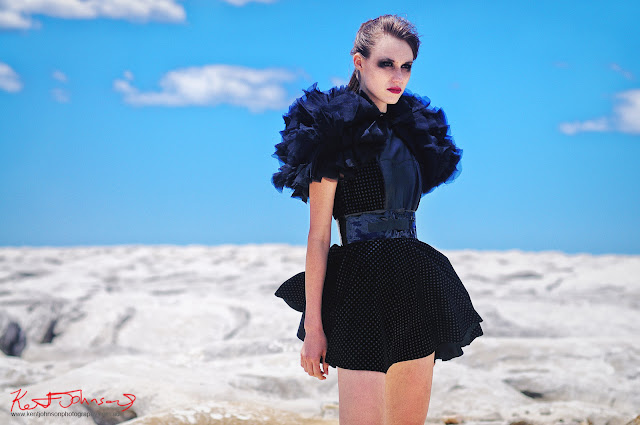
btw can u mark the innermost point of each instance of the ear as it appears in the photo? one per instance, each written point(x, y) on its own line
point(357, 60)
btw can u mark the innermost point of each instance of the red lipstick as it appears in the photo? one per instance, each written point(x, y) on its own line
point(395, 90)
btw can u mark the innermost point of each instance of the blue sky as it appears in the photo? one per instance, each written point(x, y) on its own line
point(154, 122)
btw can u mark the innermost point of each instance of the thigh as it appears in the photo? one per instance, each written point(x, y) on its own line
point(408, 390)
point(361, 397)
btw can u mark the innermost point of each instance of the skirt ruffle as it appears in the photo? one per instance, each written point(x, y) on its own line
point(386, 301)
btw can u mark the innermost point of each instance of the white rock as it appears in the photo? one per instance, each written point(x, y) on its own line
point(196, 335)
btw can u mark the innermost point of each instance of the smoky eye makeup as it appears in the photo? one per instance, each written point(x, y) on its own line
point(383, 63)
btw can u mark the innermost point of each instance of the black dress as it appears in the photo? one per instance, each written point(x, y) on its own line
point(387, 296)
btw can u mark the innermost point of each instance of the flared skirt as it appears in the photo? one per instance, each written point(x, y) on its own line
point(386, 301)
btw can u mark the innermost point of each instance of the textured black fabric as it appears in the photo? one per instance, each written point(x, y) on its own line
point(333, 133)
point(385, 300)
point(364, 192)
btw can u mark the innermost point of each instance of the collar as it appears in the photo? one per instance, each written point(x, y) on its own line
point(358, 108)
point(395, 110)
point(367, 98)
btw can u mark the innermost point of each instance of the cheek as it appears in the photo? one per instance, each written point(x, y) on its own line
point(381, 77)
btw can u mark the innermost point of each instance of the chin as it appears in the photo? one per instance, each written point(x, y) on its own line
point(393, 99)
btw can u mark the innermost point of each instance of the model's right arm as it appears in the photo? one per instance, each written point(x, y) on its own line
point(321, 198)
point(314, 349)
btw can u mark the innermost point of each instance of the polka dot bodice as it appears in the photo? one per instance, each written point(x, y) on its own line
point(392, 181)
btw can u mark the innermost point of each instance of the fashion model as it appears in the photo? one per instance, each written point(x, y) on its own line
point(383, 305)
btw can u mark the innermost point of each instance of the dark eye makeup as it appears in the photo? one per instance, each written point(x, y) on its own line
point(386, 62)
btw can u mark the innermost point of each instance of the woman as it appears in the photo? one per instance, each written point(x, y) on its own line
point(382, 306)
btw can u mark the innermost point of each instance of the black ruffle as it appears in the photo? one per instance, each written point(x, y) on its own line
point(428, 135)
point(328, 134)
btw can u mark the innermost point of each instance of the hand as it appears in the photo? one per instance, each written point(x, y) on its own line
point(314, 347)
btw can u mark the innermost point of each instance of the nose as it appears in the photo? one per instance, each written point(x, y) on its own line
point(397, 76)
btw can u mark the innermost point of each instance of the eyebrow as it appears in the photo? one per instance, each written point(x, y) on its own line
point(391, 60)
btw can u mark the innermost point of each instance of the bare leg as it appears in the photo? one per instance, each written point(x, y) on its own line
point(408, 391)
point(361, 397)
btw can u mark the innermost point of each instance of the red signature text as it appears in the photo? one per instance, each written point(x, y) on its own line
point(72, 397)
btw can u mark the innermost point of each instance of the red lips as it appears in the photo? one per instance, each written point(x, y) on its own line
point(395, 90)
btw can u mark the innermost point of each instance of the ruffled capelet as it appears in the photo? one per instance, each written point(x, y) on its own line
point(332, 133)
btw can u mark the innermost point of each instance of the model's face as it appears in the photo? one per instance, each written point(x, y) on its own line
point(388, 67)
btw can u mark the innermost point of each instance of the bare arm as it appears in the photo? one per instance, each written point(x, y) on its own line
point(321, 197)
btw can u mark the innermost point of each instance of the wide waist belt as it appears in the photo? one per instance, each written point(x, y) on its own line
point(380, 224)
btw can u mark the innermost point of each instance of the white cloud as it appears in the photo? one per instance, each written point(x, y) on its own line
point(627, 112)
point(12, 19)
point(59, 75)
point(626, 74)
point(60, 95)
point(625, 117)
point(209, 85)
point(128, 75)
point(9, 79)
point(16, 14)
point(337, 81)
point(243, 2)
point(599, 124)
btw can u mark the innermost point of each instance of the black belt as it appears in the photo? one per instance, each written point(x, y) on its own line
point(380, 224)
